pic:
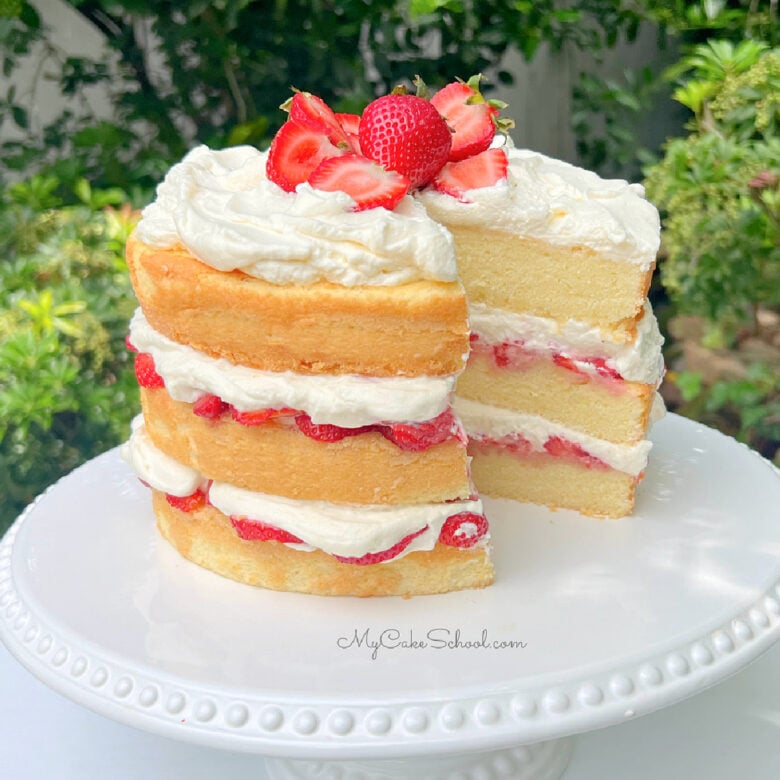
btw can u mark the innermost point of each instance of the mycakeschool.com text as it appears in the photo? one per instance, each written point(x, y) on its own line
point(375, 641)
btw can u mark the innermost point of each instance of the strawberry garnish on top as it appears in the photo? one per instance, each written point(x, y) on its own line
point(295, 152)
point(472, 118)
point(400, 142)
point(367, 183)
point(315, 114)
point(482, 170)
point(405, 133)
point(350, 123)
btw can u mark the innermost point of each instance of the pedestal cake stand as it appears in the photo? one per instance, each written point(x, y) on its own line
point(589, 623)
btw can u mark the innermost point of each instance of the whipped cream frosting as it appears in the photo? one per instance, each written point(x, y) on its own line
point(348, 400)
point(641, 361)
point(557, 202)
point(222, 208)
point(349, 530)
point(482, 420)
point(154, 467)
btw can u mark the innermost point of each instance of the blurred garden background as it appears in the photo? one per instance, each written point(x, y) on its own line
point(98, 99)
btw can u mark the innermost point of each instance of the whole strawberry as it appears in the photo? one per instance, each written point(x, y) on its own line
point(406, 134)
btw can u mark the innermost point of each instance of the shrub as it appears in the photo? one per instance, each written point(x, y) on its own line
point(67, 390)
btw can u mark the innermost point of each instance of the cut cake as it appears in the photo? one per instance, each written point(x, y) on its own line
point(565, 351)
point(297, 360)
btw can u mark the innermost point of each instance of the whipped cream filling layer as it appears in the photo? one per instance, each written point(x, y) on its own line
point(348, 400)
point(491, 422)
point(560, 203)
point(154, 467)
point(223, 209)
point(641, 361)
point(348, 530)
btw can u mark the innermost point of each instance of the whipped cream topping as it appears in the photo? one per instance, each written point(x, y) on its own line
point(484, 421)
point(348, 400)
point(557, 202)
point(641, 361)
point(221, 207)
point(154, 467)
point(349, 530)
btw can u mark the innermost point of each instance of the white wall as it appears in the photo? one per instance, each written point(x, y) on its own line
point(72, 36)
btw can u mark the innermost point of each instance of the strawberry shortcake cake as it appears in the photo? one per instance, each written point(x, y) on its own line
point(300, 333)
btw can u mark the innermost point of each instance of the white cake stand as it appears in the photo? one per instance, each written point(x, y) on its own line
point(589, 623)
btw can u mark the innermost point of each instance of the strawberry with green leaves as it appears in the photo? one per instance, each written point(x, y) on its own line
point(472, 118)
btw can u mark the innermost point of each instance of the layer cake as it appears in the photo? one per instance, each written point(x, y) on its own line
point(297, 359)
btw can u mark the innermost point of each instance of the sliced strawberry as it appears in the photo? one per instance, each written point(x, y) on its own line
point(326, 432)
point(129, 344)
point(295, 152)
point(385, 555)
point(463, 530)
point(469, 116)
point(512, 354)
point(259, 416)
point(518, 445)
point(255, 531)
point(349, 123)
point(565, 362)
point(405, 133)
point(316, 115)
point(367, 183)
point(189, 503)
point(146, 373)
point(602, 369)
point(563, 448)
point(212, 407)
point(415, 437)
point(483, 170)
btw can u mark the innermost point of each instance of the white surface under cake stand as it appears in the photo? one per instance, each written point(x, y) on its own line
point(589, 623)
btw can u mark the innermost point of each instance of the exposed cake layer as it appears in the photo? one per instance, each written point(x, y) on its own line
point(529, 458)
point(614, 410)
point(550, 481)
point(584, 345)
point(207, 537)
point(581, 247)
point(275, 456)
point(550, 281)
point(349, 400)
point(415, 329)
point(529, 434)
point(569, 374)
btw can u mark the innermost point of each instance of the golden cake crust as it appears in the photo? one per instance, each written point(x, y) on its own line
point(207, 538)
point(414, 329)
point(279, 459)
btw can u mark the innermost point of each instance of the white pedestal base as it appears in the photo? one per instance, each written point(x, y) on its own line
point(543, 761)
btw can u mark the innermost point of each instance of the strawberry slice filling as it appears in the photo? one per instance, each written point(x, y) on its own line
point(190, 503)
point(516, 356)
point(409, 436)
point(462, 530)
point(556, 446)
